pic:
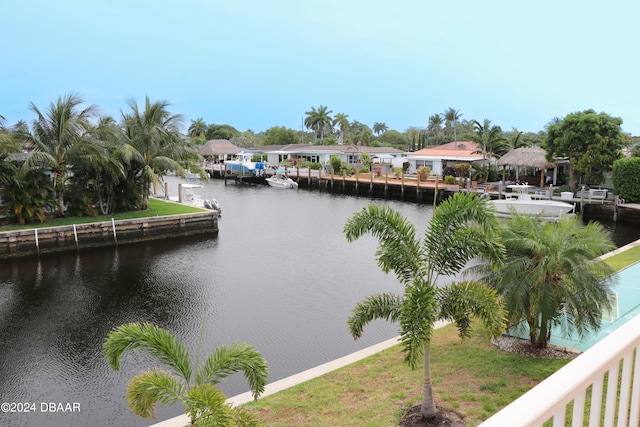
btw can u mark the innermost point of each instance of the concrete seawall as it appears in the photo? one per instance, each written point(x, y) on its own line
point(44, 240)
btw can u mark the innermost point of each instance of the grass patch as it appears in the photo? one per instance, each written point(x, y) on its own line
point(472, 377)
point(624, 258)
point(157, 207)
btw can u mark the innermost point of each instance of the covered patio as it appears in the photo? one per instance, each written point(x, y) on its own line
point(531, 157)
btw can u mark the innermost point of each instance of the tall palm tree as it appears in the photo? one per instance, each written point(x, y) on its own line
point(204, 403)
point(197, 127)
point(461, 229)
point(379, 128)
point(342, 122)
point(562, 285)
point(451, 117)
point(60, 136)
point(435, 124)
point(490, 138)
point(153, 142)
point(319, 120)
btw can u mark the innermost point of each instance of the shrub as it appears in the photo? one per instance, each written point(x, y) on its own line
point(336, 163)
point(398, 172)
point(626, 178)
point(450, 180)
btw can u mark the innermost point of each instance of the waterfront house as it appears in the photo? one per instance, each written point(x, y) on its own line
point(349, 154)
point(446, 155)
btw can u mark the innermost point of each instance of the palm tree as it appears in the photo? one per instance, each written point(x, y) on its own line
point(461, 229)
point(61, 136)
point(204, 403)
point(152, 142)
point(562, 285)
point(197, 127)
point(341, 120)
point(435, 124)
point(451, 117)
point(319, 120)
point(489, 137)
point(379, 128)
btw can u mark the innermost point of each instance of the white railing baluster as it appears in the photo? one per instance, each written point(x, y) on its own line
point(625, 391)
point(578, 410)
point(612, 392)
point(634, 412)
point(596, 402)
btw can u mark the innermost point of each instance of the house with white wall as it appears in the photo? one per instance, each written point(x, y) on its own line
point(445, 155)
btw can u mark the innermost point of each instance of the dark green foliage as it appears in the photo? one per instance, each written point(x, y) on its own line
point(221, 132)
point(626, 178)
point(592, 142)
point(30, 197)
point(280, 135)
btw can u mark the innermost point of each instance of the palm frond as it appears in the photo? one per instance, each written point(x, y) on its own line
point(461, 228)
point(151, 339)
point(229, 359)
point(418, 315)
point(398, 248)
point(379, 306)
point(461, 302)
point(155, 386)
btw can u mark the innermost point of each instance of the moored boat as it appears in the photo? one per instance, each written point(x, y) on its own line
point(281, 180)
point(525, 205)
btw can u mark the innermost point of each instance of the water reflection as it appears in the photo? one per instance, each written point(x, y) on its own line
point(280, 275)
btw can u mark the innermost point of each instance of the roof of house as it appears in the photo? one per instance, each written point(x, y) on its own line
point(308, 148)
point(530, 156)
point(216, 147)
point(457, 150)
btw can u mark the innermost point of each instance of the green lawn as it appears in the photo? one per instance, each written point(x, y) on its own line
point(157, 207)
point(473, 377)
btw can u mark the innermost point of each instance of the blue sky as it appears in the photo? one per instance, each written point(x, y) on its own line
point(258, 64)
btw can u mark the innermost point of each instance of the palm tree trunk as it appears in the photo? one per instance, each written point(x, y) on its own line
point(428, 408)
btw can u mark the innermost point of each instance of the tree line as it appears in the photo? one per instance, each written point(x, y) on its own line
point(97, 164)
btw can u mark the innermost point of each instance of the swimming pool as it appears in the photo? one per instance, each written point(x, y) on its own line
point(626, 306)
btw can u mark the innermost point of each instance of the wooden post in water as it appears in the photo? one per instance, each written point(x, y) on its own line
point(386, 184)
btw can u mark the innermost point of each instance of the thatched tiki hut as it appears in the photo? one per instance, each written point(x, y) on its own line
point(527, 157)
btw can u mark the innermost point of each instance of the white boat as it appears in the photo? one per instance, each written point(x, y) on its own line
point(243, 165)
point(281, 180)
point(525, 205)
point(189, 197)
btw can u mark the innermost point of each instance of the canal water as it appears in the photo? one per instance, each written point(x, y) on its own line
point(280, 275)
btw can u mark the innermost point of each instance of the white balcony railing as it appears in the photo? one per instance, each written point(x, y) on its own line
point(607, 375)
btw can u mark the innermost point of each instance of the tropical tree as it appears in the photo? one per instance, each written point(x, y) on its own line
point(489, 137)
point(95, 182)
point(221, 132)
point(26, 192)
point(435, 124)
point(562, 286)
point(197, 127)
point(379, 128)
point(461, 229)
point(592, 142)
point(153, 144)
point(61, 137)
point(204, 403)
point(319, 120)
point(451, 117)
point(341, 121)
